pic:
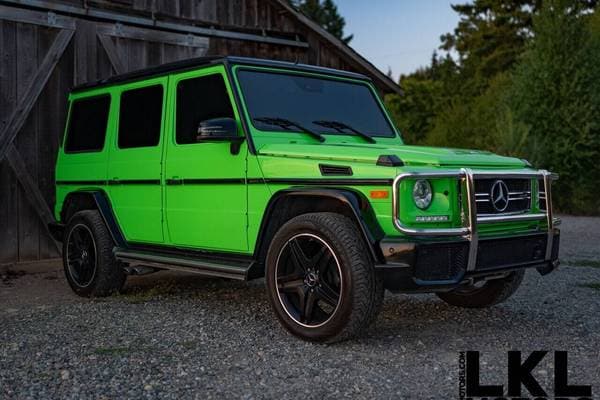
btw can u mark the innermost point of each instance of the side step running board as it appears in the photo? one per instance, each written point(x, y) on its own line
point(238, 271)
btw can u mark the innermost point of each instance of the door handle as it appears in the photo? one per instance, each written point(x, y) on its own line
point(114, 181)
point(175, 180)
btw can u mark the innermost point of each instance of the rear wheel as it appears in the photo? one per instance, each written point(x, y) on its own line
point(90, 266)
point(487, 294)
point(320, 278)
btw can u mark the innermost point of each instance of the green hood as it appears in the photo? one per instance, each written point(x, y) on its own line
point(410, 155)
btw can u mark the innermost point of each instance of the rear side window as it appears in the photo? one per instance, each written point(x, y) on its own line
point(199, 99)
point(87, 124)
point(140, 117)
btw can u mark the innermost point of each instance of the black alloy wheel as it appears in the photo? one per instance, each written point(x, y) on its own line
point(81, 255)
point(309, 280)
point(90, 265)
point(320, 279)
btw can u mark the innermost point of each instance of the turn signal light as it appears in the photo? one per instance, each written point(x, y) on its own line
point(380, 194)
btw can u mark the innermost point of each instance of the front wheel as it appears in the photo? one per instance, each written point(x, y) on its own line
point(488, 294)
point(320, 279)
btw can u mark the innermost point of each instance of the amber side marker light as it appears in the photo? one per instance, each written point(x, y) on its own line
point(380, 194)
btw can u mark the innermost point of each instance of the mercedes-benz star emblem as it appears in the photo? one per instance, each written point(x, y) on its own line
point(499, 196)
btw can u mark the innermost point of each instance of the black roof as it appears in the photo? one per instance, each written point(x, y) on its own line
point(202, 61)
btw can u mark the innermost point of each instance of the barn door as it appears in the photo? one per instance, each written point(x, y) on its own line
point(43, 55)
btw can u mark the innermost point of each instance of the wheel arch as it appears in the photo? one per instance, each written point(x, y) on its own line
point(289, 203)
point(93, 200)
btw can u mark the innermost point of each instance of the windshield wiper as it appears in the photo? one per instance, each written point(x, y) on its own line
point(286, 124)
point(343, 128)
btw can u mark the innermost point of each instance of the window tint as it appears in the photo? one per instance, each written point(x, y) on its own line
point(305, 99)
point(199, 99)
point(140, 117)
point(87, 124)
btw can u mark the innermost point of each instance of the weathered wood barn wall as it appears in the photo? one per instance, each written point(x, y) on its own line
point(46, 47)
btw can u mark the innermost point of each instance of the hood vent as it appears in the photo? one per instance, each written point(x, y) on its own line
point(335, 170)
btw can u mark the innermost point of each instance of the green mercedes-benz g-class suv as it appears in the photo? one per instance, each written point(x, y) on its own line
point(243, 168)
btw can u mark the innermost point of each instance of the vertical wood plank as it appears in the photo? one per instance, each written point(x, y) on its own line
point(49, 103)
point(137, 54)
point(85, 52)
point(26, 141)
point(123, 53)
point(154, 54)
point(9, 247)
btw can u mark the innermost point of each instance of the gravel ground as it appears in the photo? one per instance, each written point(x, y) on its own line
point(181, 336)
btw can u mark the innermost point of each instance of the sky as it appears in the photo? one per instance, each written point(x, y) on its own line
point(397, 34)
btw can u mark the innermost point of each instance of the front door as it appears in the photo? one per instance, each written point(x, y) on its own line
point(134, 168)
point(205, 191)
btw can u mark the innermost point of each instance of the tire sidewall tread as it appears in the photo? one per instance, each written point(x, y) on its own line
point(363, 289)
point(109, 277)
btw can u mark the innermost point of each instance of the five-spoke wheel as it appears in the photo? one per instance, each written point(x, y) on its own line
point(320, 278)
point(90, 265)
point(309, 279)
point(81, 255)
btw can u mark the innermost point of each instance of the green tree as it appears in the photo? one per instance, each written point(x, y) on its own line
point(492, 34)
point(326, 14)
point(556, 93)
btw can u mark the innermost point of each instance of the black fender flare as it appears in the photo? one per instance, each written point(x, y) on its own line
point(356, 202)
point(104, 207)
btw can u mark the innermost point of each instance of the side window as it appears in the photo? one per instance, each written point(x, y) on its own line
point(140, 116)
point(199, 99)
point(87, 124)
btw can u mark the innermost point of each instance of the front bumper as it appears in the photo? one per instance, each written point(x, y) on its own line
point(442, 264)
point(434, 259)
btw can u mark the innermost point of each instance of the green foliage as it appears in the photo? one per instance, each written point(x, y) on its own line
point(555, 92)
point(490, 34)
point(526, 83)
point(415, 114)
point(326, 14)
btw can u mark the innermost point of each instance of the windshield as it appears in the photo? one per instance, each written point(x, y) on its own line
point(309, 101)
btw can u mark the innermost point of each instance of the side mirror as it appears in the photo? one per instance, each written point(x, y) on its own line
point(220, 130)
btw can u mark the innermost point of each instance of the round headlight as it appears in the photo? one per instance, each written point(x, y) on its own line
point(422, 194)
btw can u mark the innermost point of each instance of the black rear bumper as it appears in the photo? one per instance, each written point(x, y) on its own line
point(441, 264)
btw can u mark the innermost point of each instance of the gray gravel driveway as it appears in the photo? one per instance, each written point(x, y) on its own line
point(182, 336)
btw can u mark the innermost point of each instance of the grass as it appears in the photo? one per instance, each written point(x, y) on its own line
point(593, 285)
point(583, 263)
point(138, 296)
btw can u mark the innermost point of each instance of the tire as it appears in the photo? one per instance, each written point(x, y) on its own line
point(90, 266)
point(338, 278)
point(491, 293)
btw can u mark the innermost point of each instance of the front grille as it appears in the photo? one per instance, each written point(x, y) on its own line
point(504, 253)
point(438, 262)
point(519, 196)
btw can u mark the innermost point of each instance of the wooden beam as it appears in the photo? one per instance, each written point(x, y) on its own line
point(153, 35)
point(31, 190)
point(38, 82)
point(91, 13)
point(112, 53)
point(48, 19)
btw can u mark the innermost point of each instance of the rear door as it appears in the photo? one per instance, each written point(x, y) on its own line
point(205, 192)
point(134, 170)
